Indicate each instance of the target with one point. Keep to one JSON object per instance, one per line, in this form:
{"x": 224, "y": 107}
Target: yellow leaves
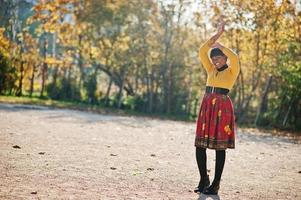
{"x": 68, "y": 60}
{"x": 20, "y": 36}
{"x": 52, "y": 60}
{"x": 2, "y": 29}
{"x": 123, "y": 43}
{"x": 4, "y": 43}
{"x": 49, "y": 13}
{"x": 216, "y": 10}
{"x": 97, "y": 53}
{"x": 55, "y": 18}
{"x": 48, "y": 27}
{"x": 49, "y": 7}
{"x": 38, "y": 7}
{"x": 39, "y": 31}
{"x": 29, "y": 20}
{"x": 154, "y": 54}
{"x": 107, "y": 43}
{"x": 30, "y": 57}
{"x": 114, "y": 5}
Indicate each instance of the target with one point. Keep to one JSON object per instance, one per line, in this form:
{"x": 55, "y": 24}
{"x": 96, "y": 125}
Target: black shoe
{"x": 202, "y": 185}
{"x": 212, "y": 189}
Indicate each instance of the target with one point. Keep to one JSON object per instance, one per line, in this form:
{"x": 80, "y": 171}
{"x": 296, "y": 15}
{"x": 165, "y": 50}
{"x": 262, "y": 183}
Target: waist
{"x": 217, "y": 90}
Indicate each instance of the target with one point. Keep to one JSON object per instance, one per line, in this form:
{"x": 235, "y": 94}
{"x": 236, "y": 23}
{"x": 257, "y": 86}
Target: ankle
{"x": 215, "y": 184}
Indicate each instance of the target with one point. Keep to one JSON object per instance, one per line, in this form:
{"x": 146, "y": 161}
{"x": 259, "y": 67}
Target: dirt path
{"x": 67, "y": 154}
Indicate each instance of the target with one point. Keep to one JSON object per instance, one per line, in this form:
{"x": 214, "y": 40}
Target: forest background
{"x": 142, "y": 56}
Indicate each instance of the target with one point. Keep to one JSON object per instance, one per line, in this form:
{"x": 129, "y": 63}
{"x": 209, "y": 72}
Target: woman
{"x": 215, "y": 124}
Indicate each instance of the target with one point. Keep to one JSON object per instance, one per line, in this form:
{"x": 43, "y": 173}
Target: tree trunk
{"x": 195, "y": 111}
{"x": 151, "y": 94}
{"x": 32, "y": 80}
{"x": 55, "y": 74}
{"x": 263, "y": 103}
{"x": 120, "y": 94}
{"x": 168, "y": 34}
{"x": 147, "y": 89}
{"x": 44, "y": 69}
{"x": 108, "y": 92}
{"x": 288, "y": 111}
{"x": 293, "y": 104}
{"x": 80, "y": 62}
{"x": 170, "y": 88}
{"x": 256, "y": 75}
{"x": 19, "y": 90}
{"x": 188, "y": 102}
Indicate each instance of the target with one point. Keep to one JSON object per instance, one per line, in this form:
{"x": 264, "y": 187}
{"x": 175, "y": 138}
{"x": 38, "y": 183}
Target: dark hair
{"x": 216, "y": 52}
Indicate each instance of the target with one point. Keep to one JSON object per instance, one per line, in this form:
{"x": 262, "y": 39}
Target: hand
{"x": 221, "y": 27}
{"x": 220, "y": 30}
{"x": 217, "y": 45}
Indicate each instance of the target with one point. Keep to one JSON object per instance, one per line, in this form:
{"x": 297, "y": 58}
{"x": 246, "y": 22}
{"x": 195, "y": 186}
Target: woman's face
{"x": 219, "y": 61}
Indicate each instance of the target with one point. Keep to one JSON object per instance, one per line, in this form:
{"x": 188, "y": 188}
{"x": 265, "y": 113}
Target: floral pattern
{"x": 216, "y": 123}
{"x": 213, "y": 101}
{"x": 227, "y": 129}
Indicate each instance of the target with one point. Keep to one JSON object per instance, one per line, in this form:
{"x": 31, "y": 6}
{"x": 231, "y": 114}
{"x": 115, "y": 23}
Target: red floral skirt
{"x": 216, "y": 123}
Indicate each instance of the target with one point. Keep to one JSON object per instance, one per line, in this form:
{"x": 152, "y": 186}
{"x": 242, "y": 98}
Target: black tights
{"x": 201, "y": 158}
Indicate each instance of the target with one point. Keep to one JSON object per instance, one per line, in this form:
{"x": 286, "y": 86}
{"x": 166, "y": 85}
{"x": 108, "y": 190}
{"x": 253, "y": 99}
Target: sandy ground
{"x": 65, "y": 154}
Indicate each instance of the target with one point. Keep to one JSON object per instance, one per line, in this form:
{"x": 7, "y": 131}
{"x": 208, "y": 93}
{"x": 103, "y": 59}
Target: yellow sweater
{"x": 225, "y": 78}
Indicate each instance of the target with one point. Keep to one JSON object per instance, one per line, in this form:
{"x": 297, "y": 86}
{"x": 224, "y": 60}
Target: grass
{"x": 85, "y": 107}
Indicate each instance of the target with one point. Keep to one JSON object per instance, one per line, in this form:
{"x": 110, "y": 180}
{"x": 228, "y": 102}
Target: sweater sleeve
{"x": 203, "y": 55}
{"x": 234, "y": 62}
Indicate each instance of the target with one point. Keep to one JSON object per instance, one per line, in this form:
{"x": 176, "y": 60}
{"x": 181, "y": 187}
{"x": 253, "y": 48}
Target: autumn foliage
{"x": 142, "y": 55}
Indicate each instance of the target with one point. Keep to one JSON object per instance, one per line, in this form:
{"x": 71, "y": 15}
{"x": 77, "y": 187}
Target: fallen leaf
{"x": 136, "y": 173}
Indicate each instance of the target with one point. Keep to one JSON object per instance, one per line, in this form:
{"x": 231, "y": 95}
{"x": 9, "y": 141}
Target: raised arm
{"x": 203, "y": 53}
{"x": 233, "y": 57}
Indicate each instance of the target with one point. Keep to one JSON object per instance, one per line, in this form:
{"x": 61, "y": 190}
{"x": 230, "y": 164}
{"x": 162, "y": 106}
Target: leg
{"x": 219, "y": 166}
{"x": 201, "y": 158}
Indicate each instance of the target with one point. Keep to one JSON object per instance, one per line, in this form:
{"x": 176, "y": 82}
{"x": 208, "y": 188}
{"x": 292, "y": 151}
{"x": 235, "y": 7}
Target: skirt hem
{"x": 214, "y": 144}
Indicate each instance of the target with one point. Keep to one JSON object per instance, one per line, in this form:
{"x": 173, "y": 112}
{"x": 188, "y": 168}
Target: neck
{"x": 225, "y": 66}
